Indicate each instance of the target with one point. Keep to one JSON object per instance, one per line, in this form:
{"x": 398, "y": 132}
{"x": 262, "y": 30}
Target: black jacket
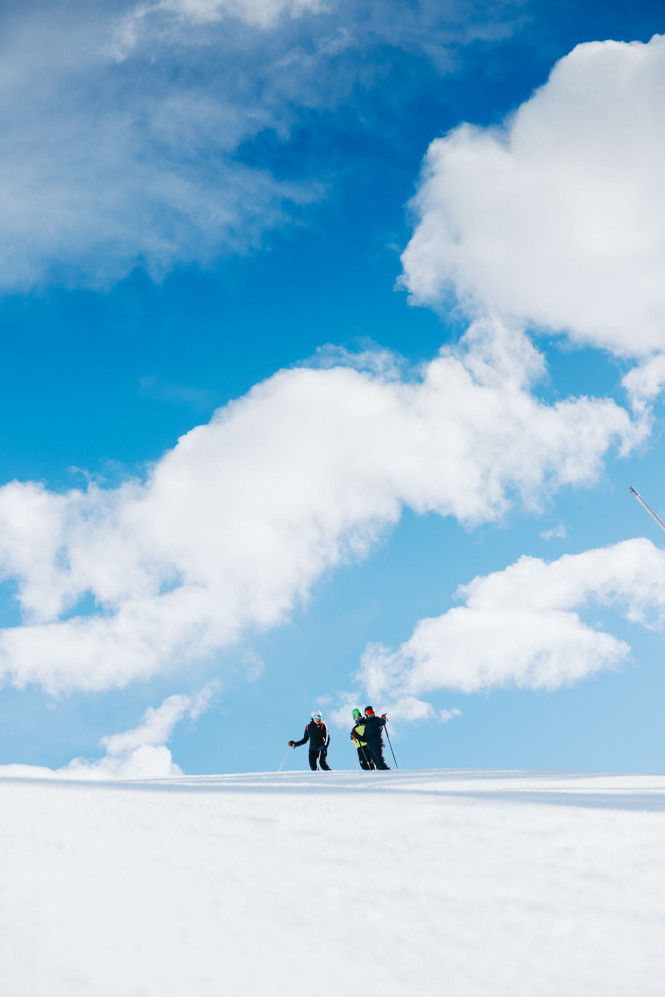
{"x": 374, "y": 729}
{"x": 316, "y": 734}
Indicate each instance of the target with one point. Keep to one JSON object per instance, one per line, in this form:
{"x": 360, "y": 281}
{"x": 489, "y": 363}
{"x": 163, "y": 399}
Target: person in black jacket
{"x": 374, "y": 736}
{"x": 317, "y": 734}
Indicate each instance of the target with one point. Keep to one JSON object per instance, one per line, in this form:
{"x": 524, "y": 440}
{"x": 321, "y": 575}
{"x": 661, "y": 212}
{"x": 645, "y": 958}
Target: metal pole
{"x": 650, "y": 511}
{"x": 391, "y": 743}
{"x": 284, "y": 759}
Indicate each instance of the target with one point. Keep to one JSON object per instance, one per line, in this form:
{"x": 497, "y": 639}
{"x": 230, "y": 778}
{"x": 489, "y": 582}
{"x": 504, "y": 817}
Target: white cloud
{"x": 555, "y": 533}
{"x": 253, "y": 665}
{"x": 153, "y": 387}
{"x": 122, "y": 124}
{"x": 446, "y": 715}
{"x": 106, "y": 166}
{"x": 644, "y": 382}
{"x": 232, "y": 527}
{"x": 140, "y": 20}
{"x": 140, "y": 753}
{"x": 342, "y": 714}
{"x": 521, "y": 626}
{"x": 405, "y": 708}
{"x": 558, "y": 216}
{"x": 342, "y": 25}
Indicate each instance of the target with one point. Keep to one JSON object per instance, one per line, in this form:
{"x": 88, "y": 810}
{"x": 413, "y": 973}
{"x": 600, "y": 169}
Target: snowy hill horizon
{"x": 333, "y": 396}
{"x": 456, "y": 882}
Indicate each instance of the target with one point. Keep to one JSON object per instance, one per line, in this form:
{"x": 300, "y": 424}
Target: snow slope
{"x": 398, "y": 883}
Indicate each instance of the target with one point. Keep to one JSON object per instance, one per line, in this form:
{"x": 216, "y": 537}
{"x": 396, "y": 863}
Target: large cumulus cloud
{"x": 230, "y": 529}
{"x": 558, "y": 215}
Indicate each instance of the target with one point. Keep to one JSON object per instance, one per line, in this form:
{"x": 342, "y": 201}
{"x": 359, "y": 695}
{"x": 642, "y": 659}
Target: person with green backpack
{"x": 357, "y": 736}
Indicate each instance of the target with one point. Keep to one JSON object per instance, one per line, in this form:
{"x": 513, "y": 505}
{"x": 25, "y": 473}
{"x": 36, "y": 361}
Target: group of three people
{"x": 367, "y": 736}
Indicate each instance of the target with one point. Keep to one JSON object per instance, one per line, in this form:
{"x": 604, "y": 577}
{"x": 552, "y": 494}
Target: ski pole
{"x": 648, "y": 508}
{"x": 391, "y": 744}
{"x": 284, "y": 759}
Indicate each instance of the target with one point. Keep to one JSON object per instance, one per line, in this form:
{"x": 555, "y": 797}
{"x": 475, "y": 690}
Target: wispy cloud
{"x": 153, "y": 387}
{"x": 231, "y": 528}
{"x": 147, "y": 20}
{"x": 446, "y": 715}
{"x": 123, "y": 125}
{"x": 557, "y": 532}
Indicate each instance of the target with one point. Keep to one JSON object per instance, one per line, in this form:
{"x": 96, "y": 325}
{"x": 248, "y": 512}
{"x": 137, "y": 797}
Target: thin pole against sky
{"x": 648, "y": 509}
{"x": 284, "y": 759}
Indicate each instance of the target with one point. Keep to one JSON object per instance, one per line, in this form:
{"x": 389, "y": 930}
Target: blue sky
{"x": 401, "y": 264}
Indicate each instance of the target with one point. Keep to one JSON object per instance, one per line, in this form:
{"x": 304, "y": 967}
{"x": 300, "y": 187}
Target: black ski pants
{"x": 365, "y": 758}
{"x": 375, "y": 749}
{"x": 319, "y": 755}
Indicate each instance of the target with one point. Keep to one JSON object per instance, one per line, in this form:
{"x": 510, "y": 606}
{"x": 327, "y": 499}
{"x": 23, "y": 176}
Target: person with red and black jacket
{"x": 374, "y": 737}
{"x": 317, "y": 734}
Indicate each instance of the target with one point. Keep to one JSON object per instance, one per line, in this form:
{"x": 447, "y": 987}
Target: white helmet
{"x": 316, "y": 715}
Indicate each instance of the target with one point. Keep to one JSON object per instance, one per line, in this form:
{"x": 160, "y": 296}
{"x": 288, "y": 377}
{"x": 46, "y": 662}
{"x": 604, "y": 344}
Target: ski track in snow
{"x": 432, "y": 883}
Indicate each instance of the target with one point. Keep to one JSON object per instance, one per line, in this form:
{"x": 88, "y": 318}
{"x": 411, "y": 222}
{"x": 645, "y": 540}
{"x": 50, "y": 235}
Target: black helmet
{"x": 369, "y": 711}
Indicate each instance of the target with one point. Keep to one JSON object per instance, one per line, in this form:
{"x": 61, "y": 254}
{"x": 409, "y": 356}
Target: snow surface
{"x": 396, "y": 883}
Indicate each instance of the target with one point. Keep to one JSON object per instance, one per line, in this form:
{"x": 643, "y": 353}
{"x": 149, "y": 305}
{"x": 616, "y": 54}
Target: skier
{"x": 374, "y": 736}
{"x": 317, "y": 734}
{"x": 357, "y": 736}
